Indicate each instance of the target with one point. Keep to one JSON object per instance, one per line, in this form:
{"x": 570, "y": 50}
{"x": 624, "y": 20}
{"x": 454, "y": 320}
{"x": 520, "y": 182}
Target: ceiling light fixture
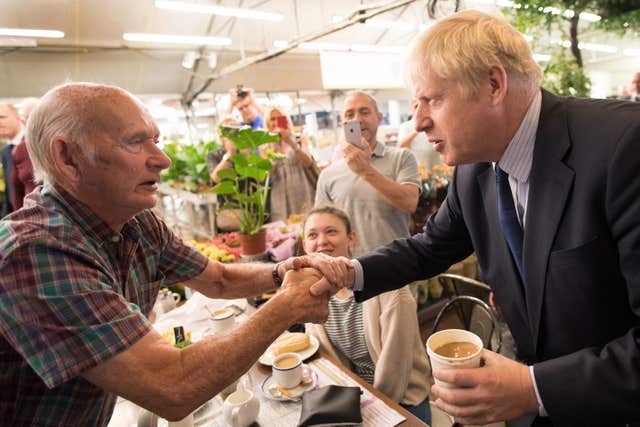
{"x": 21, "y": 32}
{"x": 176, "y": 39}
{"x": 211, "y": 9}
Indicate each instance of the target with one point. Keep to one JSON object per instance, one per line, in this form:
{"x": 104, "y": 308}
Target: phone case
{"x": 352, "y": 133}
{"x": 282, "y": 123}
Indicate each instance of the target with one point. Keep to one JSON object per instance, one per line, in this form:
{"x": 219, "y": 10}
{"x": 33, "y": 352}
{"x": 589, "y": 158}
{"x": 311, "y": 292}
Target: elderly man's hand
{"x": 337, "y": 271}
{"x": 501, "y": 390}
{"x": 305, "y": 306}
{"x": 358, "y": 159}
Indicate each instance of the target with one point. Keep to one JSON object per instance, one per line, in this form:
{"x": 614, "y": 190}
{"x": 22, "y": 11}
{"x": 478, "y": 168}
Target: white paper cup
{"x": 222, "y": 320}
{"x": 447, "y": 336}
{"x": 287, "y": 376}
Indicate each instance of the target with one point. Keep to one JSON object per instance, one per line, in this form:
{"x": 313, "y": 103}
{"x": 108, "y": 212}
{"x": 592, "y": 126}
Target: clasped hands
{"x": 337, "y": 272}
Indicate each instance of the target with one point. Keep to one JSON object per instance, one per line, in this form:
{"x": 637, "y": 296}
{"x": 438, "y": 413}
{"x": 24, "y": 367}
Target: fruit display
{"x": 214, "y": 252}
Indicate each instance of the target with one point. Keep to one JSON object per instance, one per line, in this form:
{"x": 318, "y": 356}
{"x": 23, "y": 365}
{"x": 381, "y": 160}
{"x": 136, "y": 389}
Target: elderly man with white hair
{"x": 81, "y": 265}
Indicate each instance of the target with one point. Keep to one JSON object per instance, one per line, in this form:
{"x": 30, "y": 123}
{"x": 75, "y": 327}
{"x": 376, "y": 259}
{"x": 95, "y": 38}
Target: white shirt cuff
{"x": 541, "y": 411}
{"x": 358, "y": 280}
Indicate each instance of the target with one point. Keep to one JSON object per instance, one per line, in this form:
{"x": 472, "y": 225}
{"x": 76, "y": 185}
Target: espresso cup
{"x": 455, "y": 348}
{"x": 222, "y": 320}
{"x": 287, "y": 370}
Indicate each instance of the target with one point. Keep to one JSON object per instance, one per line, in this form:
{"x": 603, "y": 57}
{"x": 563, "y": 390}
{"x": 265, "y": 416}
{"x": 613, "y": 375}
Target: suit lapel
{"x": 550, "y": 183}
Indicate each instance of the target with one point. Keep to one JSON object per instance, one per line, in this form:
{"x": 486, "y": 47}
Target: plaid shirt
{"x": 73, "y": 294}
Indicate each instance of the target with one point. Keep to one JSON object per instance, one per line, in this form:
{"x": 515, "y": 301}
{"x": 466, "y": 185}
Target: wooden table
{"x": 411, "y": 420}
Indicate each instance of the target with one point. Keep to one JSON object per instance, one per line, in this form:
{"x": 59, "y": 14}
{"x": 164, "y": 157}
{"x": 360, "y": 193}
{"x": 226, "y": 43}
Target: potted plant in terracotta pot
{"x": 246, "y": 185}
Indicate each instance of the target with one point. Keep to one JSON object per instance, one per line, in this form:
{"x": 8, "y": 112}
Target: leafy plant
{"x": 188, "y": 168}
{"x": 564, "y": 77}
{"x": 247, "y": 183}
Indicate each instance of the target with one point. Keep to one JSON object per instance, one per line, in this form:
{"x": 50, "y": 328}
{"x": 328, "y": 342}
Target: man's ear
{"x": 65, "y": 159}
{"x": 498, "y": 84}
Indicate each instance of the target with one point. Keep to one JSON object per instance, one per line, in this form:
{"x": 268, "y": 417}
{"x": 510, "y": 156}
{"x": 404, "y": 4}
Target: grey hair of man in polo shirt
{"x": 98, "y": 144}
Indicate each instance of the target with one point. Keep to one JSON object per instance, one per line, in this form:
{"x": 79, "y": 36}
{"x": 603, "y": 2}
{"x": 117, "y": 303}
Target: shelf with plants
{"x": 186, "y": 201}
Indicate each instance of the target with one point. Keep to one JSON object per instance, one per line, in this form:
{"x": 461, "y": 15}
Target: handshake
{"x": 308, "y": 283}
{"x": 330, "y": 273}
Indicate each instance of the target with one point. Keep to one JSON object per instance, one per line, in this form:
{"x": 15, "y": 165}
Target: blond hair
{"x": 463, "y": 47}
{"x": 279, "y": 112}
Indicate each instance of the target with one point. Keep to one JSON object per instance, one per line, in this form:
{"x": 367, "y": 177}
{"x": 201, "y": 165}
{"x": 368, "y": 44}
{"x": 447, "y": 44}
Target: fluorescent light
{"x": 20, "y": 32}
{"x": 541, "y": 57}
{"x": 17, "y": 42}
{"x": 218, "y": 10}
{"x": 596, "y": 47}
{"x": 175, "y": 39}
{"x": 590, "y": 17}
{"x": 632, "y": 52}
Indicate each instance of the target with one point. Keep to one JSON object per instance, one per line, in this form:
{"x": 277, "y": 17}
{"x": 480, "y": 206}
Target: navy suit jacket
{"x": 6, "y": 157}
{"x": 577, "y": 317}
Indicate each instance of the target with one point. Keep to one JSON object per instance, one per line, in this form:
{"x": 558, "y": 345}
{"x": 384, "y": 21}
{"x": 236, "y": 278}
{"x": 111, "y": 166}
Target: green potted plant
{"x": 247, "y": 185}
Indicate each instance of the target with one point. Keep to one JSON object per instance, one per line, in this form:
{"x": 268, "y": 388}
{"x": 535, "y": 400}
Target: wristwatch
{"x": 277, "y": 280}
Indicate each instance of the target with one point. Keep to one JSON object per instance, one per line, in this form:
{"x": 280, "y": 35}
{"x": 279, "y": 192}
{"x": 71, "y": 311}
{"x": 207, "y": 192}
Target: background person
{"x": 416, "y": 142}
{"x": 243, "y": 100}
{"x": 376, "y": 185}
{"x": 380, "y": 339}
{"x": 294, "y": 178}
{"x": 21, "y": 179}
{"x": 12, "y": 130}
{"x": 81, "y": 265}
{"x": 555, "y": 226}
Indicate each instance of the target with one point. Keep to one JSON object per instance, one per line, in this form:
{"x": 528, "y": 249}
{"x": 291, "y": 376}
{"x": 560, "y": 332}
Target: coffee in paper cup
{"x": 455, "y": 348}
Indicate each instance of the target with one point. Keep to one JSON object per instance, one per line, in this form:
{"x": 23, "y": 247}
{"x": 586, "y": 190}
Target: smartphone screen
{"x": 352, "y": 133}
{"x": 282, "y": 122}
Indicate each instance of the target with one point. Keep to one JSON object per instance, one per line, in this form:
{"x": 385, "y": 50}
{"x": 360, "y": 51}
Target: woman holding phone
{"x": 294, "y": 178}
{"x": 379, "y": 339}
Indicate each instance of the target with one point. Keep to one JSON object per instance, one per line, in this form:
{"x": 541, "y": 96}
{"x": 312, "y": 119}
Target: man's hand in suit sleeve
{"x": 500, "y": 390}
{"x": 337, "y": 272}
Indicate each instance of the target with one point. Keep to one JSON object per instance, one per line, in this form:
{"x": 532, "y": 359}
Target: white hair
{"x": 65, "y": 112}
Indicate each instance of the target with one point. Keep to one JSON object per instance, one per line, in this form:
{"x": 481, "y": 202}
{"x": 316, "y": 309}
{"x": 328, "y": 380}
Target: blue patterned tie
{"x": 509, "y": 218}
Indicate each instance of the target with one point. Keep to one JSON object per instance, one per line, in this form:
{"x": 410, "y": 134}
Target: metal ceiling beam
{"x": 360, "y": 15}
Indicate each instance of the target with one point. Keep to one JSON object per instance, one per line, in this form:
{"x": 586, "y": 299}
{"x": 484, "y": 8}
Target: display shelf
{"x": 191, "y": 215}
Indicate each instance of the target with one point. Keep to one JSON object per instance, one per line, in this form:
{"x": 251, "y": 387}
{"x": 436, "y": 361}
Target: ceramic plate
{"x": 268, "y": 386}
{"x": 268, "y": 356}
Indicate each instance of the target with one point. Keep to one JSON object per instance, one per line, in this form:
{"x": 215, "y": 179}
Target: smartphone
{"x": 282, "y": 122}
{"x": 352, "y": 133}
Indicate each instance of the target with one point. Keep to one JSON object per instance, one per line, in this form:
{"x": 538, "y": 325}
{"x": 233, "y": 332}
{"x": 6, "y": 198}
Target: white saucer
{"x": 268, "y": 356}
{"x": 268, "y": 384}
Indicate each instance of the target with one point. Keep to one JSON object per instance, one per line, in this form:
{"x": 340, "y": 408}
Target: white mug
{"x": 287, "y": 370}
{"x": 241, "y": 408}
{"x": 169, "y": 301}
{"x": 222, "y": 320}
